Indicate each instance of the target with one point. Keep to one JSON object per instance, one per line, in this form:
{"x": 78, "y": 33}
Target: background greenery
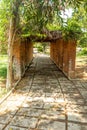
{"x": 36, "y": 15}
{"x": 3, "y": 66}
{"x": 3, "y": 73}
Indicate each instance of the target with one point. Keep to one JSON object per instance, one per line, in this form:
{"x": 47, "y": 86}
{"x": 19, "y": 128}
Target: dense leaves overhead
{"x": 33, "y": 16}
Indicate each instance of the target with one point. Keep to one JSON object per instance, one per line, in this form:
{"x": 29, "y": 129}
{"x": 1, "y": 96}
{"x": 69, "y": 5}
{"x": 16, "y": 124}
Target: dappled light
{"x": 45, "y": 100}
{"x": 81, "y": 68}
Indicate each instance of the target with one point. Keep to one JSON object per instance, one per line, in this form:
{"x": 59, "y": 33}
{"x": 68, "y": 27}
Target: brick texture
{"x": 63, "y": 53}
{"x": 22, "y": 56}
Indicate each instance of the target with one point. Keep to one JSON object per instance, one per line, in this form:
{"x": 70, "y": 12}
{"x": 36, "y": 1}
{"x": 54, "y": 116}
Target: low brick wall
{"x": 63, "y": 53}
{"x": 22, "y": 56}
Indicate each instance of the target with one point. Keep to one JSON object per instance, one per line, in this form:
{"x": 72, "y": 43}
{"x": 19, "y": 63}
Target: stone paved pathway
{"x": 45, "y": 100}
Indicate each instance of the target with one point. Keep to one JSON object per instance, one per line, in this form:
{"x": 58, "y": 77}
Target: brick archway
{"x": 63, "y": 54}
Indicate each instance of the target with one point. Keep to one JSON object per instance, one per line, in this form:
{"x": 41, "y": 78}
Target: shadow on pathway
{"x": 45, "y": 100}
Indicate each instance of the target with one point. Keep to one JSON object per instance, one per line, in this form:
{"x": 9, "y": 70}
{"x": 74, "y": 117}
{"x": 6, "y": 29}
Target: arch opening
{"x": 61, "y": 52}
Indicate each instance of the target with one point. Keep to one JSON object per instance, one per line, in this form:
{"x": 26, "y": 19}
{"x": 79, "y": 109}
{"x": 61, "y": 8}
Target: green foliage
{"x": 83, "y": 52}
{"x": 3, "y": 73}
{"x": 4, "y": 23}
{"x": 80, "y": 15}
{"x": 40, "y": 49}
{"x": 83, "y": 41}
{"x": 3, "y": 66}
{"x": 72, "y": 30}
{"x": 37, "y": 14}
{"x": 33, "y": 16}
{"x": 4, "y": 19}
{"x": 3, "y": 48}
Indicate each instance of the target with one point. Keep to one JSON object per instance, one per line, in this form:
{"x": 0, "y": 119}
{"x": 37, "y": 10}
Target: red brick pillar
{"x": 69, "y": 56}
{"x": 22, "y": 56}
{"x": 17, "y": 59}
{"x": 60, "y": 53}
{"x": 52, "y": 50}
{"x": 72, "y": 58}
{"x": 30, "y": 52}
{"x": 51, "y": 54}
{"x": 65, "y": 58}
{"x": 63, "y": 53}
{"x": 27, "y": 53}
{"x": 57, "y": 51}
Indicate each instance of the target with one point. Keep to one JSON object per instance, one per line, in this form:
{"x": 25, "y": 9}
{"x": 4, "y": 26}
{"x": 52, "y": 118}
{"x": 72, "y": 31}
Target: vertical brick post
{"x": 72, "y": 58}
{"x": 30, "y": 51}
{"x": 22, "y": 56}
{"x": 60, "y": 53}
{"x": 65, "y": 58}
{"x": 63, "y": 53}
{"x": 52, "y": 50}
{"x": 17, "y": 59}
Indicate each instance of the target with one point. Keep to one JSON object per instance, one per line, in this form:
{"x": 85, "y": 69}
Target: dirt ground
{"x": 81, "y": 68}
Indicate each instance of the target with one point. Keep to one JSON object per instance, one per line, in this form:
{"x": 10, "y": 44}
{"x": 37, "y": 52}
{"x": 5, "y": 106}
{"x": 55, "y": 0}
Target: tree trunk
{"x": 12, "y": 33}
{"x": 10, "y": 53}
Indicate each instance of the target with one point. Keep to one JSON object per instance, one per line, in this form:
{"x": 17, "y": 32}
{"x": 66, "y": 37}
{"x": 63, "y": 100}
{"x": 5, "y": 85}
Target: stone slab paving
{"x": 51, "y": 125}
{"x": 45, "y": 100}
{"x": 2, "y": 126}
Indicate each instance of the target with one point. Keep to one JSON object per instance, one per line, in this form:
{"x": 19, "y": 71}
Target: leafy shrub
{"x": 83, "y": 52}
{"x": 83, "y": 42}
{"x": 40, "y": 49}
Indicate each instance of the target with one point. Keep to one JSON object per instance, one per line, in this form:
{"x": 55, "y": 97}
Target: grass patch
{"x": 3, "y": 66}
{"x": 83, "y": 52}
{"x": 3, "y": 74}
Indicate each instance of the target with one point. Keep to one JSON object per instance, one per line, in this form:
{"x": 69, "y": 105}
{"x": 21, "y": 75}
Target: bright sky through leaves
{"x": 67, "y": 13}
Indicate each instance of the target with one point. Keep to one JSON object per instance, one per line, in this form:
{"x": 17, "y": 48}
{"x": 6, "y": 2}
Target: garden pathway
{"x": 45, "y": 100}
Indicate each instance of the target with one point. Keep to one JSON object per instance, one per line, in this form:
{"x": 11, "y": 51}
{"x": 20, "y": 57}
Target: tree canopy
{"x": 33, "y": 16}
